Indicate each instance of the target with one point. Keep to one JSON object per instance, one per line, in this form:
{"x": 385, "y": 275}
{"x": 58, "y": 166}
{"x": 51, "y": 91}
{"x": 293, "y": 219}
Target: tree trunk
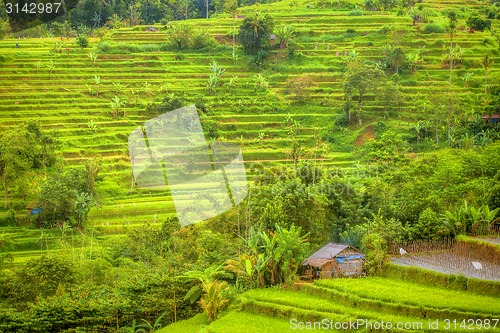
{"x": 449, "y": 132}
{"x": 397, "y": 89}
{"x": 485, "y": 82}
{"x": 6, "y": 187}
{"x": 437, "y": 133}
{"x": 234, "y": 35}
{"x": 451, "y": 55}
{"x": 360, "y": 105}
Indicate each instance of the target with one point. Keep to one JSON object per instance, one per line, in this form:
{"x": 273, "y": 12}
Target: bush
{"x": 9, "y": 219}
{"x": 183, "y": 37}
{"x": 433, "y": 28}
{"x": 342, "y": 120}
{"x": 82, "y": 41}
{"x": 259, "y": 58}
{"x": 203, "y": 40}
{"x": 355, "y": 12}
{"x": 476, "y": 23}
{"x": 104, "y": 46}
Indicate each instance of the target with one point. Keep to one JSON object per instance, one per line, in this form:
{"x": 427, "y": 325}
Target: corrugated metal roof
{"x": 326, "y": 253}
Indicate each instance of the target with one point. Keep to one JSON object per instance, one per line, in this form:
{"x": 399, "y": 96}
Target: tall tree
{"x": 255, "y": 32}
{"x": 359, "y": 82}
{"x": 452, "y": 30}
{"x": 231, "y": 7}
{"x": 22, "y": 149}
{"x": 486, "y": 62}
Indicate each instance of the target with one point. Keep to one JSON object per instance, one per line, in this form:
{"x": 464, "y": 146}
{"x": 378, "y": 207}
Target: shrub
{"x": 104, "y": 46}
{"x": 355, "y": 12}
{"x": 82, "y": 41}
{"x": 342, "y": 120}
{"x": 8, "y": 220}
{"x": 259, "y": 58}
{"x": 301, "y": 86}
{"x": 183, "y": 37}
{"x": 476, "y": 23}
{"x": 433, "y": 28}
{"x": 202, "y": 40}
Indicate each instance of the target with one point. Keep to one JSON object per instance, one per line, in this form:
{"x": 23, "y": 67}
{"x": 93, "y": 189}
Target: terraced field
{"x": 38, "y": 83}
{"x": 366, "y": 301}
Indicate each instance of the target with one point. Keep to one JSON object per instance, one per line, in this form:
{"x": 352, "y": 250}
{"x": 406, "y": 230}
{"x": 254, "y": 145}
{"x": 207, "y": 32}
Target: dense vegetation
{"x": 362, "y": 122}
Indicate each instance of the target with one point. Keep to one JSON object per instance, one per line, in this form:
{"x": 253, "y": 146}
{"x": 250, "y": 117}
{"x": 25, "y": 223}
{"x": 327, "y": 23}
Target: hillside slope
{"x": 340, "y": 301}
{"x": 50, "y": 83}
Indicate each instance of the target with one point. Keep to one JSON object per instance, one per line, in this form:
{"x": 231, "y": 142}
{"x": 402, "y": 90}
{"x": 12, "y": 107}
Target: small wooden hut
{"x": 334, "y": 260}
{"x": 494, "y": 119}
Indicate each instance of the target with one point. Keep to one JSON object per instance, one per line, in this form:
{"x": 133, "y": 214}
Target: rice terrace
{"x": 249, "y": 166}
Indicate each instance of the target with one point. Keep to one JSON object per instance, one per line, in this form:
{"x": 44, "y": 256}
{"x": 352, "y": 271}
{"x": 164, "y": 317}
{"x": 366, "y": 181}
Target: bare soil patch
{"x": 368, "y": 134}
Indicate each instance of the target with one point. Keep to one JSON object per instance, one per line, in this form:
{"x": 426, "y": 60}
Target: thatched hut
{"x": 334, "y": 260}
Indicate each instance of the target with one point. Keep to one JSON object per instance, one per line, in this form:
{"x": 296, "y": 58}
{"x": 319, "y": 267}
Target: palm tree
{"x": 204, "y": 277}
{"x": 486, "y": 62}
{"x": 213, "y": 299}
{"x": 231, "y": 7}
{"x": 452, "y": 30}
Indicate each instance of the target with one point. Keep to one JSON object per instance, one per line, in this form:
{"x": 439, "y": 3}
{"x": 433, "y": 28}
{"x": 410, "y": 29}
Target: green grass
{"x": 191, "y": 325}
{"x": 273, "y": 309}
{"x": 396, "y": 291}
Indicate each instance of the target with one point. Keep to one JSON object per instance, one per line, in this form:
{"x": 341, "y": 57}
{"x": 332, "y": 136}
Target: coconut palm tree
{"x": 213, "y": 299}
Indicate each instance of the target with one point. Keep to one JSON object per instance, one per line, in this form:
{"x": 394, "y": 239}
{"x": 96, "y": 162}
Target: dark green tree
{"x": 22, "y": 149}
{"x": 359, "y": 82}
{"x": 255, "y": 32}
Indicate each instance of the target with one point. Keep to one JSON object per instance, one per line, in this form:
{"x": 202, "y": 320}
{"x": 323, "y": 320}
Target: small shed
{"x": 334, "y": 260}
{"x": 493, "y": 118}
{"x": 272, "y": 39}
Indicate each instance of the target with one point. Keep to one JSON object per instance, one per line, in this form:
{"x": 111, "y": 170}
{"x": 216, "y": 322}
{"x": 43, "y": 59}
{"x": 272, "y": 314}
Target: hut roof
{"x": 325, "y": 254}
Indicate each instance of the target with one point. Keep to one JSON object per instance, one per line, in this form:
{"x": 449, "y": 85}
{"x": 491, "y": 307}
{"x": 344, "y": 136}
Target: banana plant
{"x": 151, "y": 327}
{"x": 92, "y": 56}
{"x": 97, "y": 83}
{"x": 116, "y": 103}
